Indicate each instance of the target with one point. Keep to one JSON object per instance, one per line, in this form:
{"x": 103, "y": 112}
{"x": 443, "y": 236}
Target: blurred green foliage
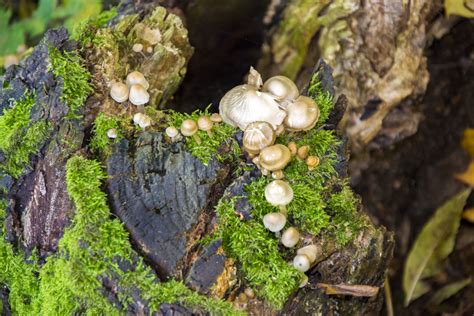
{"x": 49, "y": 13}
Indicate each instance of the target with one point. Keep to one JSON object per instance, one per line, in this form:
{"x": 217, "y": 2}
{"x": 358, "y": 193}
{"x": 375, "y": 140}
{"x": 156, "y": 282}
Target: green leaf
{"x": 463, "y": 8}
{"x": 11, "y": 36}
{"x": 434, "y": 243}
{"x": 447, "y": 291}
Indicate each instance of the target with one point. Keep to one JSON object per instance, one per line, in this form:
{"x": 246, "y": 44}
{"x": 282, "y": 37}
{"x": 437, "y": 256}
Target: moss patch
{"x": 19, "y": 138}
{"x": 84, "y": 33}
{"x": 210, "y": 146}
{"x": 75, "y": 77}
{"x": 100, "y": 142}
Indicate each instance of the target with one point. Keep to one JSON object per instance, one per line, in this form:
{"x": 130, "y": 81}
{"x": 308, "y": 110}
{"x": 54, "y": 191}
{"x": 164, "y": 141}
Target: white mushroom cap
{"x": 119, "y": 92}
{"x": 244, "y": 104}
{"x": 137, "y": 47}
{"x": 301, "y": 263}
{"x": 216, "y": 117}
{"x": 136, "y": 77}
{"x": 278, "y": 192}
{"x": 171, "y": 131}
{"x": 205, "y": 123}
{"x": 142, "y": 120}
{"x": 281, "y": 87}
{"x": 290, "y": 237}
{"x": 274, "y": 222}
{"x": 275, "y": 157}
{"x": 138, "y": 95}
{"x": 257, "y": 136}
{"x": 112, "y": 133}
{"x": 189, "y": 127}
{"x": 303, "y": 114}
{"x": 310, "y": 251}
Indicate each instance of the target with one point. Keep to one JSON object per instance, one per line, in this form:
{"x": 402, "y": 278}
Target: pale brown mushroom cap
{"x": 189, "y": 127}
{"x": 119, "y": 92}
{"x": 138, "y": 95}
{"x": 293, "y": 148}
{"x": 301, "y": 263}
{"x": 274, "y": 222}
{"x": 290, "y": 237}
{"x": 136, "y": 77}
{"x": 172, "y": 131}
{"x": 303, "y": 152}
{"x": 312, "y": 162}
{"x": 302, "y": 114}
{"x": 311, "y": 251}
{"x": 275, "y": 157}
{"x": 281, "y": 87}
{"x": 216, "y": 117}
{"x": 278, "y": 192}
{"x": 137, "y": 47}
{"x": 205, "y": 123}
{"x": 257, "y": 136}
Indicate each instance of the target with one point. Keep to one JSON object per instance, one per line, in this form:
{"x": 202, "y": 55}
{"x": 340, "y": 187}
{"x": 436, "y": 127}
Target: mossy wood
{"x": 140, "y": 224}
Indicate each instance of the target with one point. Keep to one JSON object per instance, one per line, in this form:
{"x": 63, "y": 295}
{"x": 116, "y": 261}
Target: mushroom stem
{"x": 283, "y": 210}
{"x": 197, "y": 139}
{"x": 209, "y": 133}
{"x": 141, "y": 108}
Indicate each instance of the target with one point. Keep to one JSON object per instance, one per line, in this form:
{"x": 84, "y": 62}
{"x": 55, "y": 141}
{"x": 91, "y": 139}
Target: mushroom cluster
{"x": 135, "y": 89}
{"x": 189, "y": 127}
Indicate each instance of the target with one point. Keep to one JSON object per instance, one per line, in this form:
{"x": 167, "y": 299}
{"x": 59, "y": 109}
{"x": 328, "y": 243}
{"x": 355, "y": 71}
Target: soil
{"x": 403, "y": 185}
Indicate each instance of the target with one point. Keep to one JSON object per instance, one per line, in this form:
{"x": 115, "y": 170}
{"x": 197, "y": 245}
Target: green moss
{"x": 76, "y": 86}
{"x": 210, "y": 146}
{"x": 323, "y": 99}
{"x": 257, "y": 251}
{"x": 100, "y": 142}
{"x": 84, "y": 33}
{"x": 19, "y": 138}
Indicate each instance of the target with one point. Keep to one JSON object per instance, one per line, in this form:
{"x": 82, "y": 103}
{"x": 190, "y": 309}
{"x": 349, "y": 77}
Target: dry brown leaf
{"x": 349, "y": 289}
{"x": 468, "y": 175}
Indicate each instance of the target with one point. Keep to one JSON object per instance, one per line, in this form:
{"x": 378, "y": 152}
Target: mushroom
{"x": 205, "y": 124}
{"x": 303, "y": 114}
{"x": 172, "y": 133}
{"x": 216, "y": 118}
{"x": 244, "y": 104}
{"x": 257, "y": 136}
{"x": 279, "y": 193}
{"x": 152, "y": 36}
{"x": 136, "y": 77}
{"x": 274, "y": 222}
{"x": 138, "y": 95}
{"x": 190, "y": 128}
{"x": 275, "y": 157}
{"x": 303, "y": 152}
{"x": 293, "y": 148}
{"x": 310, "y": 251}
{"x": 112, "y": 133}
{"x": 281, "y": 88}
{"x": 301, "y": 263}
{"x": 142, "y": 120}
{"x": 278, "y": 175}
{"x": 119, "y": 92}
{"x": 254, "y": 78}
{"x": 149, "y": 49}
{"x": 304, "y": 281}
{"x": 290, "y": 237}
{"x": 312, "y": 162}
{"x": 280, "y": 129}
{"x": 137, "y": 47}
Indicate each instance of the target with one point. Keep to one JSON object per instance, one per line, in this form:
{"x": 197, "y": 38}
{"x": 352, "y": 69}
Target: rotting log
{"x": 164, "y": 195}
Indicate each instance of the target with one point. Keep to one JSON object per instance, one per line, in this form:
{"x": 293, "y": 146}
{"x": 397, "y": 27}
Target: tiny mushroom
{"x": 137, "y": 47}
{"x": 278, "y": 175}
{"x": 312, "y": 162}
{"x": 190, "y": 128}
{"x": 138, "y": 95}
{"x": 290, "y": 237}
{"x": 274, "y": 222}
{"x": 205, "y": 124}
{"x": 301, "y": 263}
{"x": 293, "y": 148}
{"x": 257, "y": 136}
{"x": 302, "y": 114}
{"x": 275, "y": 157}
{"x": 119, "y": 92}
{"x": 310, "y": 251}
{"x": 282, "y": 88}
{"x": 136, "y": 77}
{"x": 216, "y": 117}
{"x": 279, "y": 193}
{"x": 142, "y": 120}
{"x": 254, "y": 78}
{"x": 303, "y": 152}
{"x": 280, "y": 129}
{"x": 172, "y": 133}
{"x": 112, "y": 133}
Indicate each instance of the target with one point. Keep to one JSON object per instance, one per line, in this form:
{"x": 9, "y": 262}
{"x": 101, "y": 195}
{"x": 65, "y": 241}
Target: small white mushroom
{"x": 310, "y": 251}
{"x": 257, "y": 136}
{"x": 290, "y": 237}
{"x": 119, "y": 92}
{"x": 301, "y": 263}
{"x": 279, "y": 193}
{"x": 172, "y": 133}
{"x": 205, "y": 124}
{"x": 216, "y": 117}
{"x": 112, "y": 133}
{"x": 138, "y": 95}
{"x": 136, "y": 77}
{"x": 142, "y": 120}
{"x": 303, "y": 114}
{"x": 274, "y": 222}
{"x": 282, "y": 88}
{"x": 190, "y": 128}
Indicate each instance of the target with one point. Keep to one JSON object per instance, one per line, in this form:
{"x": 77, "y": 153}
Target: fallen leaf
{"x": 467, "y": 141}
{"x": 447, "y": 291}
{"x": 468, "y": 215}
{"x": 468, "y": 175}
{"x": 349, "y": 289}
{"x": 463, "y": 8}
{"x": 434, "y": 243}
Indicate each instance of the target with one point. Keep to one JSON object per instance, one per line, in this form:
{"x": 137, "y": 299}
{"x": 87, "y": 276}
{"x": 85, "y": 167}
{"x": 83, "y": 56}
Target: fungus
{"x": 302, "y": 114}
{"x": 205, "y": 124}
{"x": 190, "y": 128}
{"x": 293, "y": 148}
{"x": 290, "y": 237}
{"x": 136, "y": 77}
{"x": 278, "y": 175}
{"x": 149, "y": 49}
{"x": 244, "y": 104}
{"x": 112, "y": 133}
{"x": 281, "y": 88}
{"x": 274, "y": 222}
{"x": 257, "y": 136}
{"x": 138, "y": 95}
{"x": 303, "y": 152}
{"x": 137, "y": 47}
{"x": 142, "y": 120}
{"x": 172, "y": 133}
{"x": 301, "y": 263}
{"x": 275, "y": 157}
{"x": 254, "y": 78}
{"x": 312, "y": 162}
{"x": 310, "y": 251}
{"x": 279, "y": 193}
{"x": 119, "y": 92}
{"x": 216, "y": 118}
